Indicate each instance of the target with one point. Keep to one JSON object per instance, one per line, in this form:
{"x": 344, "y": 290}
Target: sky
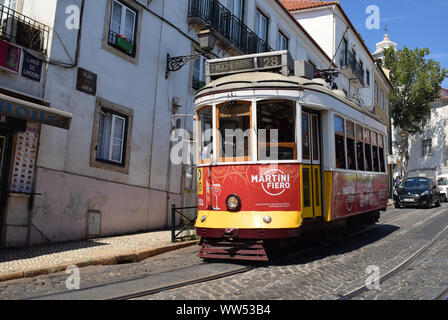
{"x": 410, "y": 23}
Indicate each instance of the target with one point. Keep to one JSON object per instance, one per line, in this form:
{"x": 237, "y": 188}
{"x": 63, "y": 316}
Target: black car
{"x": 417, "y": 191}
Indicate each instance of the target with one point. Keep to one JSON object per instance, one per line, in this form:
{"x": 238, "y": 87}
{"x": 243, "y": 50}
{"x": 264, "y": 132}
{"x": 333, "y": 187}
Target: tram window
{"x": 315, "y": 130}
{"x": 376, "y": 164}
{"x": 276, "y": 130}
{"x": 350, "y": 134}
{"x": 368, "y": 150}
{"x": 205, "y": 126}
{"x": 359, "y": 149}
{"x": 234, "y": 127}
{"x": 306, "y": 187}
{"x": 306, "y": 138}
{"x": 381, "y": 152}
{"x": 339, "y": 142}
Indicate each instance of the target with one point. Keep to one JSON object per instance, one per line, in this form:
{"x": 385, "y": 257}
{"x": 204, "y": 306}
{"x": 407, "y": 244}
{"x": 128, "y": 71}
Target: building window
{"x": 199, "y": 73}
{"x": 237, "y": 8}
{"x": 261, "y": 26}
{"x": 339, "y": 142}
{"x": 427, "y": 147}
{"x": 282, "y": 41}
{"x": 122, "y": 28}
{"x": 376, "y": 92}
{"x": 111, "y": 137}
{"x": 382, "y": 99}
{"x": 368, "y": 77}
{"x": 11, "y": 4}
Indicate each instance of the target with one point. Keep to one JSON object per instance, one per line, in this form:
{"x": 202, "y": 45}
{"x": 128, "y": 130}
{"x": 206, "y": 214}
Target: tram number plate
{"x": 272, "y": 61}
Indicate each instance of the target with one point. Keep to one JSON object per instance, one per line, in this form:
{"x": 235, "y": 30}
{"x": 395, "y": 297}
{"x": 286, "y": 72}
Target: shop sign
{"x": 32, "y": 67}
{"x": 22, "y": 111}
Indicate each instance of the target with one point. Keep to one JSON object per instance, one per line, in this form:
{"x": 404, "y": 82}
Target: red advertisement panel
{"x": 260, "y": 187}
{"x": 354, "y": 193}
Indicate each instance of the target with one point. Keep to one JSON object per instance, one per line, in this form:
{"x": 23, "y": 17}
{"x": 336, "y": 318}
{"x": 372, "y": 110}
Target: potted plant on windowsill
{"x": 124, "y": 43}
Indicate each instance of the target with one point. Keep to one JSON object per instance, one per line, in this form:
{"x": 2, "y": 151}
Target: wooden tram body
{"x": 327, "y": 163}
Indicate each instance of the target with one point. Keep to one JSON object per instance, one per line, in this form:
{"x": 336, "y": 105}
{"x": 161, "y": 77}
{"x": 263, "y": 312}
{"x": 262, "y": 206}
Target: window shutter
{"x": 117, "y": 138}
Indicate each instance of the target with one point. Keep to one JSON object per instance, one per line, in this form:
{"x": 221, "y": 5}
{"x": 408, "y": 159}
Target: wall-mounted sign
{"x": 10, "y": 56}
{"x": 86, "y": 81}
{"x": 32, "y": 67}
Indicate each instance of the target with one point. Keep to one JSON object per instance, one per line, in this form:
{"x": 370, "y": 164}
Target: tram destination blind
{"x": 261, "y": 63}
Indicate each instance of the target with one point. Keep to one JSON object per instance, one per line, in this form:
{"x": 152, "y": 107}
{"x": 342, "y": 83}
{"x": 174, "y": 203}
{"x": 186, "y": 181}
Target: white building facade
{"x": 428, "y": 152}
{"x": 104, "y": 169}
{"x": 328, "y": 24}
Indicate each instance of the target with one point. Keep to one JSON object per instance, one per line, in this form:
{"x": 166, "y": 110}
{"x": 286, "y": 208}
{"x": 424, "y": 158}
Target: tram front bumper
{"x": 248, "y": 224}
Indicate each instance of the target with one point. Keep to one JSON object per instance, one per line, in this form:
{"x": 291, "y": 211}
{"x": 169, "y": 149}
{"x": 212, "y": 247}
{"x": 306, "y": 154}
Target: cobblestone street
{"x": 327, "y": 273}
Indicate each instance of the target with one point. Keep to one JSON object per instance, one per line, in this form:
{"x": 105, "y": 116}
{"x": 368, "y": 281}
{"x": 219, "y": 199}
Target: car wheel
{"x": 397, "y": 206}
{"x": 438, "y": 203}
{"x": 429, "y": 205}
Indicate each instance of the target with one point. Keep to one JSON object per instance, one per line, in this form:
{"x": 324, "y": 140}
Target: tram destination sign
{"x": 279, "y": 61}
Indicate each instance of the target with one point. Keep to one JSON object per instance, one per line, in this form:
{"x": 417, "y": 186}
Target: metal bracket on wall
{"x": 175, "y": 63}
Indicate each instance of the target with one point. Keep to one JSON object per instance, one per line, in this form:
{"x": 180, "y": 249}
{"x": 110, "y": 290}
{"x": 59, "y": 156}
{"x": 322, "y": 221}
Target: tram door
{"x": 311, "y": 168}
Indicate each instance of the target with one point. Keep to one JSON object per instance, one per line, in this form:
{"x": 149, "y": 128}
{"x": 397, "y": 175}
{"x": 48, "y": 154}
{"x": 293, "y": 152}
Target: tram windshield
{"x": 234, "y": 126}
{"x": 276, "y": 130}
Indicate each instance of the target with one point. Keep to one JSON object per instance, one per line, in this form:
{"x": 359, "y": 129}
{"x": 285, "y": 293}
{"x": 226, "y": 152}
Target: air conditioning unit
{"x": 303, "y": 69}
{"x": 22, "y": 33}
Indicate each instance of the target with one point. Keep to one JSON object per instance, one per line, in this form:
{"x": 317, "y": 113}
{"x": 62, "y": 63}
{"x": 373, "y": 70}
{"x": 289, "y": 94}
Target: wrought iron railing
{"x": 22, "y": 30}
{"x": 221, "y": 20}
{"x": 119, "y": 42}
{"x": 186, "y": 228}
{"x": 349, "y": 60}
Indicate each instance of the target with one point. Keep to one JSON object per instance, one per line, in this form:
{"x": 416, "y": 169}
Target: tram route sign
{"x": 278, "y": 61}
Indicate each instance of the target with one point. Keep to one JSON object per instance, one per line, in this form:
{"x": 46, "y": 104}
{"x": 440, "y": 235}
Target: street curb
{"x": 133, "y": 256}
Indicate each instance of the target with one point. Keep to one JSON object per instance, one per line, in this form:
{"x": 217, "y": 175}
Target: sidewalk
{"x": 46, "y": 259}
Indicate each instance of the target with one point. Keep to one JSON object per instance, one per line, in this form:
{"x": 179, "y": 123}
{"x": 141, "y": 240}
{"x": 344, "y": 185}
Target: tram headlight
{"x": 233, "y": 203}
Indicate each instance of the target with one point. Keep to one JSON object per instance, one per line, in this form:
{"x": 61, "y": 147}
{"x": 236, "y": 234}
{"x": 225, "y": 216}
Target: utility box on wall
{"x": 93, "y": 224}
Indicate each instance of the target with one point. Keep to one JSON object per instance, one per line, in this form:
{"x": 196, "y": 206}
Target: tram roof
{"x": 269, "y": 80}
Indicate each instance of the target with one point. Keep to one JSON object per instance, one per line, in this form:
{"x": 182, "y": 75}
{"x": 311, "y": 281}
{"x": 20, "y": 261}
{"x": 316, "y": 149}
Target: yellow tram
{"x": 276, "y": 150}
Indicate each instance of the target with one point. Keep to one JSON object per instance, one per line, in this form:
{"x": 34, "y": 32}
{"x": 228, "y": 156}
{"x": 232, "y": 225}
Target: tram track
{"x": 220, "y": 275}
{"x": 294, "y": 255}
{"x": 359, "y": 291}
{"x": 443, "y": 295}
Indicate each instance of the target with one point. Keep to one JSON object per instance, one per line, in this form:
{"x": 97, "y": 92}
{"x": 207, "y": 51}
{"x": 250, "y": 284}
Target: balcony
{"x": 213, "y": 14}
{"x": 355, "y": 70}
{"x": 23, "y": 31}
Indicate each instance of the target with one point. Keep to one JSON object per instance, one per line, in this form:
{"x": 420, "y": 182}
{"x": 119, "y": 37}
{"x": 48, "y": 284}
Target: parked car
{"x": 417, "y": 191}
{"x": 442, "y": 181}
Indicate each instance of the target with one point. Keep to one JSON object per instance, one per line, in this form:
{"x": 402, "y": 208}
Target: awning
{"x": 33, "y": 112}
